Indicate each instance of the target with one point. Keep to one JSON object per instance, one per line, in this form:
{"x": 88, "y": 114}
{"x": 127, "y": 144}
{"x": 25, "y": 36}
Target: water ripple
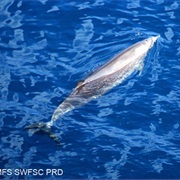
{"x": 130, "y": 132}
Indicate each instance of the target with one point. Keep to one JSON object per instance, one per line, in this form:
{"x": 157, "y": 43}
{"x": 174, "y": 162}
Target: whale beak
{"x": 154, "y": 38}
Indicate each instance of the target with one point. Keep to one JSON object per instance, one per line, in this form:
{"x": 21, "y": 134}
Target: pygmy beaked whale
{"x": 103, "y": 79}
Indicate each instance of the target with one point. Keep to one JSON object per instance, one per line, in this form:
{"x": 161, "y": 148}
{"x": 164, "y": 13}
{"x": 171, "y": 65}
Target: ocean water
{"x": 46, "y": 47}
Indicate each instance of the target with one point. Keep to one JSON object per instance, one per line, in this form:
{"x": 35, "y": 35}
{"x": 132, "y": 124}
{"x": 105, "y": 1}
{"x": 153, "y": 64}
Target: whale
{"x": 109, "y": 75}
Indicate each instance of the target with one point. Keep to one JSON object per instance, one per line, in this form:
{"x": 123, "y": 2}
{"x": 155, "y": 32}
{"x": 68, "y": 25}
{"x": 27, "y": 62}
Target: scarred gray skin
{"x": 103, "y": 79}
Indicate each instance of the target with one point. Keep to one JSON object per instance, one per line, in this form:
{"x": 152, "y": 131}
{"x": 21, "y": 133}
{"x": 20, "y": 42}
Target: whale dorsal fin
{"x": 80, "y": 83}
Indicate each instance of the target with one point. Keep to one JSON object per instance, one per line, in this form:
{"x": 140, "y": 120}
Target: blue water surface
{"x": 47, "y": 46}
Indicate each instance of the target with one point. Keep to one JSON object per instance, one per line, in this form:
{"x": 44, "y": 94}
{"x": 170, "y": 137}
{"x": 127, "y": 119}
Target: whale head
{"x": 143, "y": 46}
{"x": 149, "y": 42}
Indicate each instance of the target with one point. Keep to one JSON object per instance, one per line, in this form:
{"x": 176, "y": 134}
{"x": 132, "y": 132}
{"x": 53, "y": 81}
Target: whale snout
{"x": 154, "y": 38}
